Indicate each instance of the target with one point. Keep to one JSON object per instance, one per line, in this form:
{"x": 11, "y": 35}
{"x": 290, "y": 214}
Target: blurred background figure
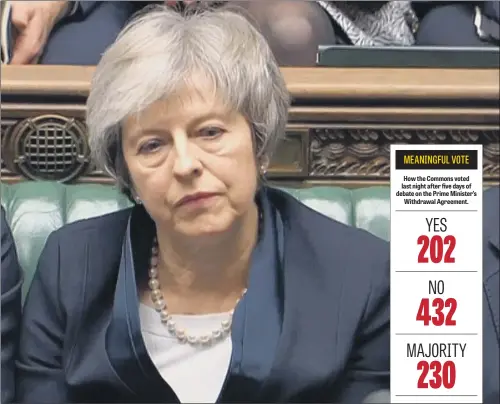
{"x": 63, "y": 32}
{"x": 11, "y": 307}
{"x": 491, "y": 305}
{"x": 452, "y": 23}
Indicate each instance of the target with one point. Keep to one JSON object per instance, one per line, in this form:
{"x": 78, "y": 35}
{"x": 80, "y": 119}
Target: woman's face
{"x": 191, "y": 161}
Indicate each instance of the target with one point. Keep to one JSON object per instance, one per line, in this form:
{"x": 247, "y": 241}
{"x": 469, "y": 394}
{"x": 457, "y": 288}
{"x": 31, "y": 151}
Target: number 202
{"x": 435, "y": 246}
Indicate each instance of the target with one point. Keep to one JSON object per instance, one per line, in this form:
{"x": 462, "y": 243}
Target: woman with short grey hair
{"x": 214, "y": 286}
{"x": 206, "y": 46}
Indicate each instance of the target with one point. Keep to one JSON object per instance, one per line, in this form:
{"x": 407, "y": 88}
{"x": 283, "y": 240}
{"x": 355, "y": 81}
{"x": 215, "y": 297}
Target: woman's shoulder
{"x": 84, "y": 254}
{"x": 336, "y": 252}
{"x": 110, "y": 226}
{"x": 89, "y": 242}
{"x": 299, "y": 213}
{"x": 328, "y": 238}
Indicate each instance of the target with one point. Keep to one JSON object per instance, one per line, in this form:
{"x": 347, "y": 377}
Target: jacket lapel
{"x": 124, "y": 343}
{"x": 257, "y": 320}
{"x": 305, "y": 311}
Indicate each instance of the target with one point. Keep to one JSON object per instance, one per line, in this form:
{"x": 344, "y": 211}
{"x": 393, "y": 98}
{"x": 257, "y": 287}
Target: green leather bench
{"x": 35, "y": 209}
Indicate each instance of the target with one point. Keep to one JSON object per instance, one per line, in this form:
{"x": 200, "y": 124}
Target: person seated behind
{"x": 77, "y": 33}
{"x": 214, "y": 286}
{"x": 11, "y": 308}
{"x": 479, "y": 23}
{"x": 491, "y": 305}
{"x": 62, "y": 32}
{"x": 65, "y": 32}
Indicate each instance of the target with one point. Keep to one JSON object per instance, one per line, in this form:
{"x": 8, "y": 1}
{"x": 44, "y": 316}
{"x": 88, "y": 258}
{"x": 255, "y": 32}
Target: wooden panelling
{"x": 341, "y": 124}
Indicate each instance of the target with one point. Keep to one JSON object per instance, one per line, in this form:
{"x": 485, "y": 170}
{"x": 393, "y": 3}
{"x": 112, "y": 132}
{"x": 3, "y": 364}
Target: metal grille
{"x": 50, "y": 148}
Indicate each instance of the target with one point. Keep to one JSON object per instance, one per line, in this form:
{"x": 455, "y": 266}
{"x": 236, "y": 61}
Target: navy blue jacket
{"x": 317, "y": 330}
{"x": 11, "y": 308}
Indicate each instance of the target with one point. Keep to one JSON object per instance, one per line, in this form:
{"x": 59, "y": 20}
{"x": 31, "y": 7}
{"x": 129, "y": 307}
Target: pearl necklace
{"x": 161, "y": 307}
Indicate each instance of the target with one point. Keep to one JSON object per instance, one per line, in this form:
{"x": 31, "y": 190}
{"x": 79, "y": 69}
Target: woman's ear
{"x": 264, "y": 165}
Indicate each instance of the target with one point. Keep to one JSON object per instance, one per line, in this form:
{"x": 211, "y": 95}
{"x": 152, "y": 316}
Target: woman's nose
{"x": 186, "y": 161}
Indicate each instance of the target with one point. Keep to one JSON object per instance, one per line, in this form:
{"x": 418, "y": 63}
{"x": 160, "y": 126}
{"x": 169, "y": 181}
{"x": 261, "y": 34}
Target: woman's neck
{"x": 215, "y": 264}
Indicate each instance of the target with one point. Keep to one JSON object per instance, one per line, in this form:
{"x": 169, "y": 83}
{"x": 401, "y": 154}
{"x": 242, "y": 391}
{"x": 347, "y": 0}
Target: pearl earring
{"x": 264, "y": 163}
{"x": 138, "y": 200}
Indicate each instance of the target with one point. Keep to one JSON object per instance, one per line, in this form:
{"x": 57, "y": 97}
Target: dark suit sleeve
{"x": 82, "y": 8}
{"x": 369, "y": 369}
{"x": 11, "y": 308}
{"x": 40, "y": 374}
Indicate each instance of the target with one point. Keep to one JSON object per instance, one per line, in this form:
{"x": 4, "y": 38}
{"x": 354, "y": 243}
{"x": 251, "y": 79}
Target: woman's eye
{"x": 150, "y": 146}
{"x": 211, "y": 132}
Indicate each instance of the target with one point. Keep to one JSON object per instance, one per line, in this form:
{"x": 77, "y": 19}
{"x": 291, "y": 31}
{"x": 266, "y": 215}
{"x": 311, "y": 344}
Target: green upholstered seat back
{"x": 35, "y": 209}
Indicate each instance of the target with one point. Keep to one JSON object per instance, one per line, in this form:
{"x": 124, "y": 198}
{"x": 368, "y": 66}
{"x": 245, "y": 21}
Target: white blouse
{"x": 196, "y": 374}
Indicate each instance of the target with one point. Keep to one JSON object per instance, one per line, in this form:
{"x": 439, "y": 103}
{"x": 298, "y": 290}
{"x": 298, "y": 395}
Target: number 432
{"x": 438, "y": 305}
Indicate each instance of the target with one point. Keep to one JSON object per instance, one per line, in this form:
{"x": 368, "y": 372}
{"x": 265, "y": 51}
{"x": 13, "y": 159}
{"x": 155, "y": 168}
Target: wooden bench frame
{"x": 341, "y": 124}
